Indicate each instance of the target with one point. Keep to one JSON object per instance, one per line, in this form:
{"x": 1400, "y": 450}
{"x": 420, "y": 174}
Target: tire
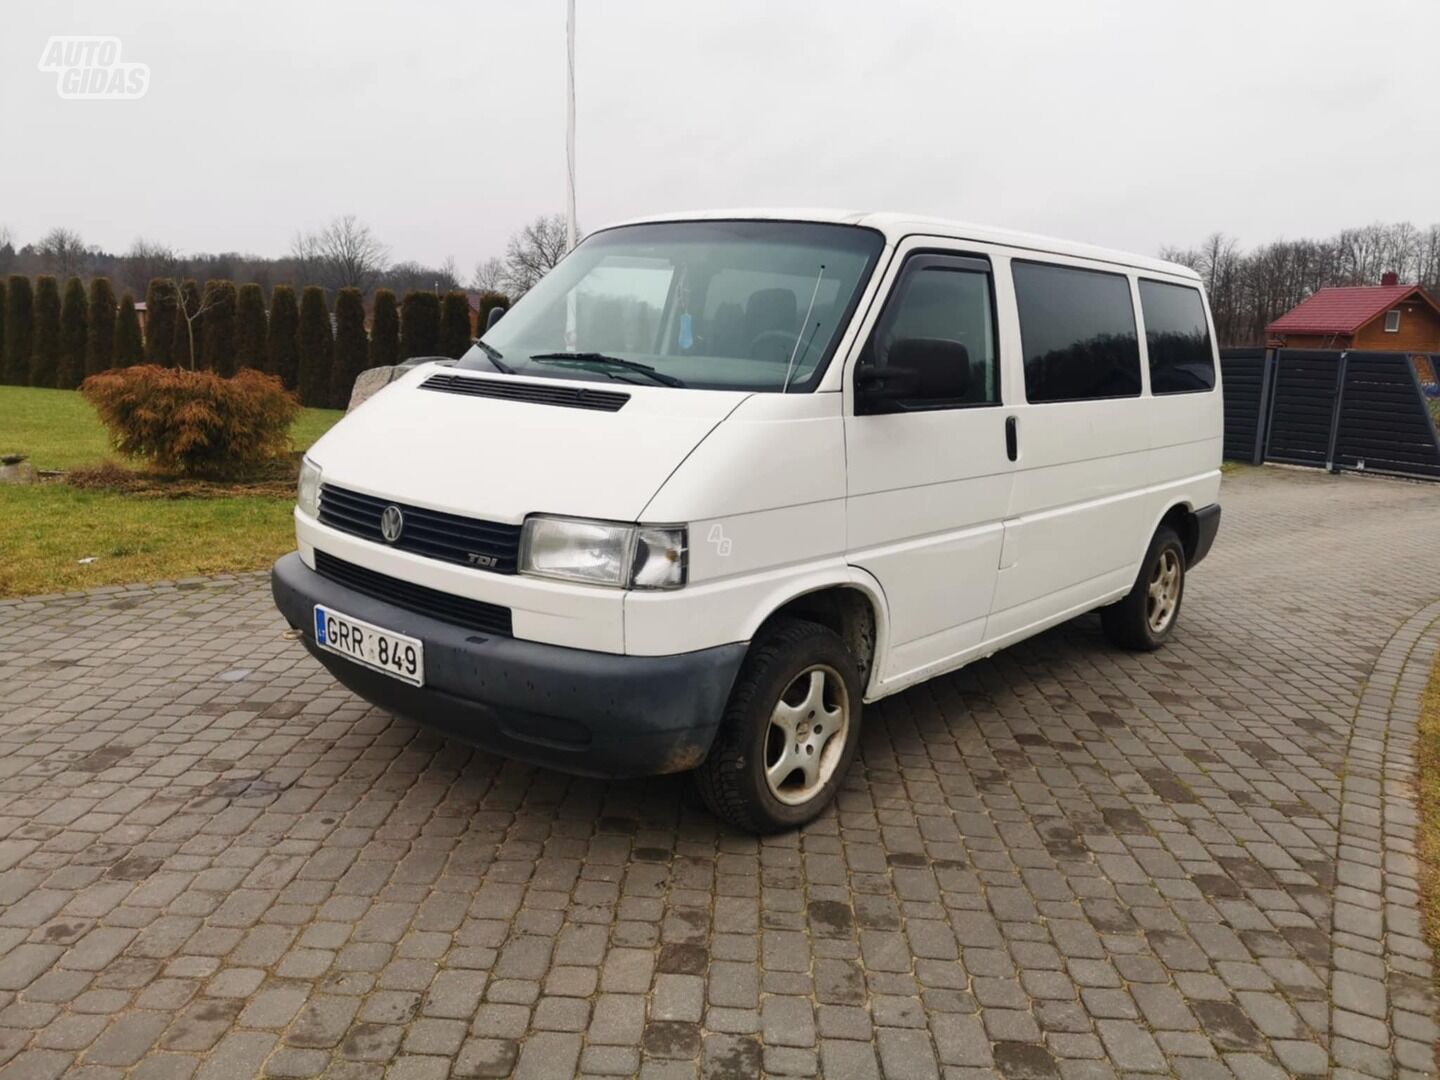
{"x": 757, "y": 736}
{"x": 1135, "y": 622}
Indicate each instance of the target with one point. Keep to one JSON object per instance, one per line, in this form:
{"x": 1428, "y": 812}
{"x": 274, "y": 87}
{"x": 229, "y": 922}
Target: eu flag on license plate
{"x": 320, "y": 626}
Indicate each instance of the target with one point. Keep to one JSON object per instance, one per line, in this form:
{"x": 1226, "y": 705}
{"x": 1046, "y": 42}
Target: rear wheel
{"x": 1146, "y": 617}
{"x": 789, "y": 733}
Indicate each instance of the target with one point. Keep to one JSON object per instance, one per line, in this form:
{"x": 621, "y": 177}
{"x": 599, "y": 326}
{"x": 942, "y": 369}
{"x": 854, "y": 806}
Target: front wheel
{"x": 789, "y": 733}
{"x": 1146, "y": 617}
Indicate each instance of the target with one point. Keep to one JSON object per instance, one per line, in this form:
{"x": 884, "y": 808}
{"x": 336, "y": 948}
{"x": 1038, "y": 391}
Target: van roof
{"x": 895, "y": 226}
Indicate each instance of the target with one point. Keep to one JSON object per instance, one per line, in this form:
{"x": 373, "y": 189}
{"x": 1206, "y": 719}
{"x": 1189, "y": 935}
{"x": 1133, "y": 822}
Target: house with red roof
{"x": 1388, "y": 317}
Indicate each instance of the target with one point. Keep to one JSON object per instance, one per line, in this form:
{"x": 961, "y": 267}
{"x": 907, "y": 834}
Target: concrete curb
{"x": 1383, "y": 1001}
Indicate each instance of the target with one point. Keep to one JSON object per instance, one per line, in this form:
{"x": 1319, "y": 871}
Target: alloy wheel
{"x": 806, "y": 736}
{"x": 1163, "y": 595}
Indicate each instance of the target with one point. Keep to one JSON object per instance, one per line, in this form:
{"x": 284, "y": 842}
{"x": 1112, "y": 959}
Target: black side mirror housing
{"x": 917, "y": 371}
{"x": 496, "y": 314}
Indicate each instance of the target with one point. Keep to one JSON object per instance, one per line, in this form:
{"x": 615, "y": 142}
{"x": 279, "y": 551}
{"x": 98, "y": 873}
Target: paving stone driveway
{"x": 1064, "y": 861}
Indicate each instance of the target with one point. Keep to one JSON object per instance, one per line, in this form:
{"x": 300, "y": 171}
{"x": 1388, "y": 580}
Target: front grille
{"x": 577, "y": 397}
{"x": 484, "y": 545}
{"x": 457, "y": 610}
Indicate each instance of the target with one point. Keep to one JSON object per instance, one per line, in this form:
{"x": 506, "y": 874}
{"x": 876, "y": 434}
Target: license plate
{"x": 397, "y": 655}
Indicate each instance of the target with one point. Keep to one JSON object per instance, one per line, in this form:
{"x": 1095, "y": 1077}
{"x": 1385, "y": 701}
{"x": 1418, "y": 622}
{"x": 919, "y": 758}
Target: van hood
{"x": 501, "y": 460}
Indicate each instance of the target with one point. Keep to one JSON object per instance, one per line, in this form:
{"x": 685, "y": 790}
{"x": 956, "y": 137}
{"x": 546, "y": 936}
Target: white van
{"x": 720, "y": 479}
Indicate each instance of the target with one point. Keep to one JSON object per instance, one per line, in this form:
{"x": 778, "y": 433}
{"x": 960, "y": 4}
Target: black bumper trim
{"x": 584, "y": 712}
{"x": 458, "y": 611}
{"x": 1207, "y": 524}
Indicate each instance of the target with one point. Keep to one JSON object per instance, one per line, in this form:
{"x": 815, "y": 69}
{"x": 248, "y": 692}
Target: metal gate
{"x": 1384, "y": 423}
{"x": 1360, "y": 411}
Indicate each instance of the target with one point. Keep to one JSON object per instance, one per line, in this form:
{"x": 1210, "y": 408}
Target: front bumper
{"x": 591, "y": 713}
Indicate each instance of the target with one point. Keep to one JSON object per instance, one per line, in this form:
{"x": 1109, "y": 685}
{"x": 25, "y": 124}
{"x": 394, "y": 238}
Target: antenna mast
{"x": 570, "y": 125}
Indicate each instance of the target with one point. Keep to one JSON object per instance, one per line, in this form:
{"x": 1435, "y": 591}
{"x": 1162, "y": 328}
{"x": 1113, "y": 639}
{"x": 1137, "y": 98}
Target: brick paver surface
{"x": 1065, "y": 861}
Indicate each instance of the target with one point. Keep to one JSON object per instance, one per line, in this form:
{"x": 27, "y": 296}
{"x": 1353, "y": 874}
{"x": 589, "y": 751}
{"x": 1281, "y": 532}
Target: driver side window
{"x": 934, "y": 344}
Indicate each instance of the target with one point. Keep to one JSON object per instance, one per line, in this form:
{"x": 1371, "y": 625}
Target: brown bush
{"x": 194, "y": 423}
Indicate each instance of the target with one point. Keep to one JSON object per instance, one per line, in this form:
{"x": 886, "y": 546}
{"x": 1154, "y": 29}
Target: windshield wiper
{"x": 495, "y": 356}
{"x": 582, "y": 358}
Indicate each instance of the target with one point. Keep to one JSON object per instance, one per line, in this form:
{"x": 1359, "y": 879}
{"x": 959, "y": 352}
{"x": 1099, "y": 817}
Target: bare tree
{"x": 1184, "y": 256}
{"x": 1250, "y": 289}
{"x": 1428, "y": 259}
{"x": 489, "y": 275}
{"x": 63, "y": 251}
{"x": 1363, "y": 254}
{"x": 1402, "y": 246}
{"x": 402, "y": 277}
{"x": 447, "y": 277}
{"x": 145, "y": 261}
{"x": 206, "y": 299}
{"x": 343, "y": 255}
{"x": 305, "y": 254}
{"x": 533, "y": 252}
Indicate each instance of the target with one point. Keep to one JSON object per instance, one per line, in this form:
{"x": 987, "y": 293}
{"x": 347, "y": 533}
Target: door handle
{"x": 1012, "y": 438}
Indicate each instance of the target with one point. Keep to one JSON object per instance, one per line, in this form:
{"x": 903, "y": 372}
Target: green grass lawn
{"x": 57, "y": 429}
{"x": 47, "y": 528}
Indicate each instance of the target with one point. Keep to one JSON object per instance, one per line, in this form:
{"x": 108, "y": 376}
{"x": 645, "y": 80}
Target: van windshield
{"x": 734, "y": 305}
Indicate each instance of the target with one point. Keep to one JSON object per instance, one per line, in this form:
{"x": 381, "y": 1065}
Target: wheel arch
{"x": 852, "y": 605}
{"x": 1180, "y": 516}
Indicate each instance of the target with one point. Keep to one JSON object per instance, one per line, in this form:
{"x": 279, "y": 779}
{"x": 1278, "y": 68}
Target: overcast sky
{"x": 1131, "y": 123}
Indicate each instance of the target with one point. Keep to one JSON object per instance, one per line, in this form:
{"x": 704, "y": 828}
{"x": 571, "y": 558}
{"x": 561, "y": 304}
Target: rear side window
{"x": 1077, "y": 328}
{"x": 1177, "y": 338}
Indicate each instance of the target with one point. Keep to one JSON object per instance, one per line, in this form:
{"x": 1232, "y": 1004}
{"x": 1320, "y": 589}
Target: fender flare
{"x": 843, "y": 576}
{"x": 1170, "y": 507}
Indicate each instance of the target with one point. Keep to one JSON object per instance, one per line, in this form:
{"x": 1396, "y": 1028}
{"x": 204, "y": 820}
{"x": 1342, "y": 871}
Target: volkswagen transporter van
{"x": 719, "y": 480}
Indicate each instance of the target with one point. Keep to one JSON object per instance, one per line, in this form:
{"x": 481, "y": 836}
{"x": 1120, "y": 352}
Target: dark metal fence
{"x": 1246, "y": 377}
{"x": 1331, "y": 409}
{"x": 1384, "y": 423}
{"x": 1302, "y": 410}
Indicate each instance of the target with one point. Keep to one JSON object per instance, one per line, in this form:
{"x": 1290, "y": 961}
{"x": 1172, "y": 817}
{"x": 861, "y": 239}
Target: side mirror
{"x": 496, "y": 314}
{"x": 916, "y": 370}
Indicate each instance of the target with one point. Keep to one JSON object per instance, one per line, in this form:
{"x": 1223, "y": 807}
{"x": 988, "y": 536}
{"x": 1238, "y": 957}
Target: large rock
{"x": 372, "y": 380}
{"x": 14, "y": 469}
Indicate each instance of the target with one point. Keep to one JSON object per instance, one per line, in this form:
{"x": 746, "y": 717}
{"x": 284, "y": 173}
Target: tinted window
{"x": 939, "y": 305}
{"x": 1078, "y": 331}
{"x": 1177, "y": 338}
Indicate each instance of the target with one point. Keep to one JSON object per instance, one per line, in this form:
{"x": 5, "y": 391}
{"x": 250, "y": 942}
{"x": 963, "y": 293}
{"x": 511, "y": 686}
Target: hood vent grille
{"x": 578, "y": 397}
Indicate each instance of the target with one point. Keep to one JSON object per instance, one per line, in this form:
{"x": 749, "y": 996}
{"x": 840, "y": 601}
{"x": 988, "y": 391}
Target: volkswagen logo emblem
{"x": 392, "y": 524}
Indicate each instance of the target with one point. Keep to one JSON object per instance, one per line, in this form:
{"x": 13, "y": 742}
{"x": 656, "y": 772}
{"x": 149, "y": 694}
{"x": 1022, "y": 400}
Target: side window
{"x": 1177, "y": 338}
{"x": 1077, "y": 328}
{"x": 934, "y": 344}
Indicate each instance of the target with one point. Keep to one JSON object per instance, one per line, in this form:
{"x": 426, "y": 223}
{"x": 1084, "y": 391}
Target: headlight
{"x": 307, "y": 497}
{"x": 604, "y": 553}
